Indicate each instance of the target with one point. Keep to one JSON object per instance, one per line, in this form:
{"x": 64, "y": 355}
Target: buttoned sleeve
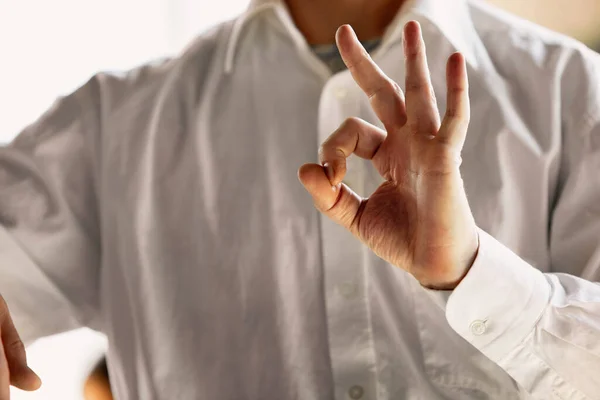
{"x": 544, "y": 328}
{"x": 49, "y": 229}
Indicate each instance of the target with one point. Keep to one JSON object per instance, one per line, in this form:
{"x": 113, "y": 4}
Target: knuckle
{"x": 459, "y": 119}
{"x": 350, "y": 123}
{"x": 387, "y": 87}
{"x": 452, "y": 113}
{"x": 16, "y": 347}
{"x": 330, "y": 151}
{"x": 412, "y": 52}
{"x": 396, "y": 88}
{"x": 413, "y": 86}
{"x": 340, "y": 159}
{"x": 391, "y": 87}
{"x": 422, "y": 89}
{"x": 457, "y": 91}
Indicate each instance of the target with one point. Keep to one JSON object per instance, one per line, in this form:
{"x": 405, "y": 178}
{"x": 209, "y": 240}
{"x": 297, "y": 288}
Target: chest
{"x": 208, "y": 233}
{"x": 213, "y": 171}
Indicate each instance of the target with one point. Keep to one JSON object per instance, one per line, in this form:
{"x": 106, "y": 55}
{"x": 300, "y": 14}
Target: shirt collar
{"x": 451, "y": 17}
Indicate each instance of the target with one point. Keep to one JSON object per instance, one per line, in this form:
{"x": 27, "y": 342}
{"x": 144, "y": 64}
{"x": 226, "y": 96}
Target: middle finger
{"x": 421, "y": 106}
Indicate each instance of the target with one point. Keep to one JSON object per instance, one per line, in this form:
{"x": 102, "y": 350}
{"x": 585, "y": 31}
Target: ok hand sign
{"x": 419, "y": 218}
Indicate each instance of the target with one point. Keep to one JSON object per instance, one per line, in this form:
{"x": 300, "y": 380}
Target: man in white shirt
{"x": 162, "y": 208}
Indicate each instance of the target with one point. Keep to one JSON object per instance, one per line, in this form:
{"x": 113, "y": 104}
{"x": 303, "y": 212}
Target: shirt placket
{"x": 349, "y": 325}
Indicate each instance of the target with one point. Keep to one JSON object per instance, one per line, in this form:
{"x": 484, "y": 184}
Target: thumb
{"x": 337, "y": 202}
{"x": 21, "y": 376}
{"x": 24, "y": 378}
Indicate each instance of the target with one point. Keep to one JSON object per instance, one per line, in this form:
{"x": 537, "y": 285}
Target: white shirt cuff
{"x": 499, "y": 301}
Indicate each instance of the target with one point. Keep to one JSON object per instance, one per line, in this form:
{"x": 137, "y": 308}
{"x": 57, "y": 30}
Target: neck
{"x": 318, "y": 20}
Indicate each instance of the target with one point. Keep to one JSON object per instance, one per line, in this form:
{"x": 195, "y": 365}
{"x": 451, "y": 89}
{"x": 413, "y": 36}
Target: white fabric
{"x": 162, "y": 207}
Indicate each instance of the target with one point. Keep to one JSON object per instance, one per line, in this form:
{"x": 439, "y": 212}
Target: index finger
{"x": 386, "y": 97}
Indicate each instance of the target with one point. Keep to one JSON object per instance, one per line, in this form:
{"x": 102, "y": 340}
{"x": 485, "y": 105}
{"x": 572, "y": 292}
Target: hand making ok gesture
{"x": 419, "y": 218}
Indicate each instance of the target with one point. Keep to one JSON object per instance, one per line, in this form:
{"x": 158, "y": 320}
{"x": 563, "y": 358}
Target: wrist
{"x": 452, "y": 278}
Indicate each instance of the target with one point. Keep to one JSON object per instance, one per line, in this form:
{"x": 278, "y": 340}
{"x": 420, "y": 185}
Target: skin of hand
{"x": 418, "y": 219}
{"x": 97, "y": 388}
{"x": 13, "y": 360}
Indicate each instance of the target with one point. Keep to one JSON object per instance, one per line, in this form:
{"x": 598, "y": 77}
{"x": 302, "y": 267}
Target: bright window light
{"x": 48, "y": 49}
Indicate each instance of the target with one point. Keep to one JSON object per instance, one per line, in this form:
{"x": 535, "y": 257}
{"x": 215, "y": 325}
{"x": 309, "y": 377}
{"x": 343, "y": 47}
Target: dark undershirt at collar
{"x": 329, "y": 54}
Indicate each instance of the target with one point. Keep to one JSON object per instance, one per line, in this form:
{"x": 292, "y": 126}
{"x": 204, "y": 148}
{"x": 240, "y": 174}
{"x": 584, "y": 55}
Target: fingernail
{"x": 329, "y": 171}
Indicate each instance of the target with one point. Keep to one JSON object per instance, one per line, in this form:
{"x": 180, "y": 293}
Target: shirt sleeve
{"x": 49, "y": 229}
{"x": 544, "y": 328}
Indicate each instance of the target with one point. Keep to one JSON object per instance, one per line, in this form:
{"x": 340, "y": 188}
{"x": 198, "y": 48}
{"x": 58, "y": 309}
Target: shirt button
{"x": 478, "y": 327}
{"x": 348, "y": 290}
{"x": 340, "y": 92}
{"x": 356, "y": 392}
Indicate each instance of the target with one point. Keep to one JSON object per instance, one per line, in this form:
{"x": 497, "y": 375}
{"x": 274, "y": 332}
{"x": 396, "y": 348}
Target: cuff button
{"x": 478, "y": 327}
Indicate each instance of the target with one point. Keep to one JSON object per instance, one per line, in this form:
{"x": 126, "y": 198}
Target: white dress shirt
{"x": 162, "y": 207}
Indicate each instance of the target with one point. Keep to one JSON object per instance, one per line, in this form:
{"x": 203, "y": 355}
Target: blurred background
{"x": 50, "y": 47}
